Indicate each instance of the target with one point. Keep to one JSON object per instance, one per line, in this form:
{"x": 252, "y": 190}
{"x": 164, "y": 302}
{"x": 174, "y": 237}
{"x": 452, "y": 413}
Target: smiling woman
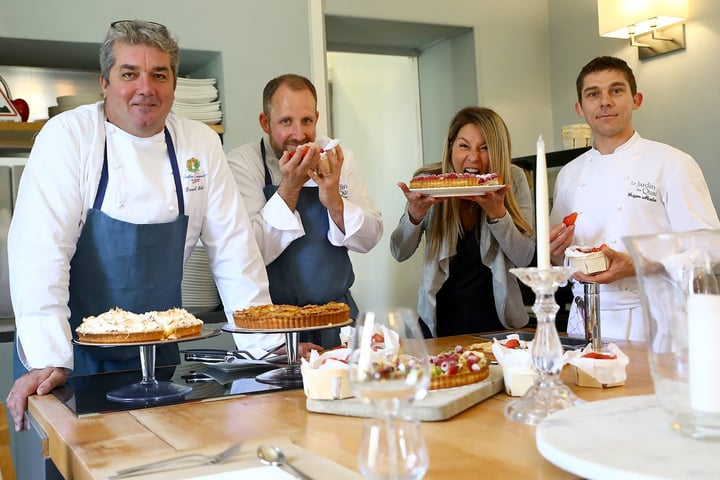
{"x": 472, "y": 240}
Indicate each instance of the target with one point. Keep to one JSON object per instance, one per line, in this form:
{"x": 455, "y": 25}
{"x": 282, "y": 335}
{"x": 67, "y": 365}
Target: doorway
{"x": 392, "y": 89}
{"x": 375, "y": 111}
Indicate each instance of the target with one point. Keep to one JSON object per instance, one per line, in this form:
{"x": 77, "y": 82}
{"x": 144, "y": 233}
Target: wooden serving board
{"x": 437, "y": 405}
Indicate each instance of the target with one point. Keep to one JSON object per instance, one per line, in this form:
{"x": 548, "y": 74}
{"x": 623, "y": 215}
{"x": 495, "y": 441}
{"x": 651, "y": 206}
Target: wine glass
{"x": 389, "y": 368}
{"x": 388, "y": 361}
{"x": 395, "y": 453}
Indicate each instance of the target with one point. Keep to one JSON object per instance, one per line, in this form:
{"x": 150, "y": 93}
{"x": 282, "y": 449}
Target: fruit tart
{"x": 458, "y": 367}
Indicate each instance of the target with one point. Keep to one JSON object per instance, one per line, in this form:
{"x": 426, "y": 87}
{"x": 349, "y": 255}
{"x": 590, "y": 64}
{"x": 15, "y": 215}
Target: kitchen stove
{"x": 86, "y": 394}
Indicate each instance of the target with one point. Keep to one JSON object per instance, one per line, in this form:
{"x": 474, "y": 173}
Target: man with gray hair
{"x": 113, "y": 200}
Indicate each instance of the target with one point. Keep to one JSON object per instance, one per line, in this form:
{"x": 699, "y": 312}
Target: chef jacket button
{"x": 582, "y": 184}
{"x": 120, "y": 205}
{"x": 619, "y": 207}
{"x": 171, "y": 208}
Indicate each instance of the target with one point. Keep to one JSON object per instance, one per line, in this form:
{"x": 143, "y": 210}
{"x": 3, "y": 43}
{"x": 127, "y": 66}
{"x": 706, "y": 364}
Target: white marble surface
{"x": 628, "y": 438}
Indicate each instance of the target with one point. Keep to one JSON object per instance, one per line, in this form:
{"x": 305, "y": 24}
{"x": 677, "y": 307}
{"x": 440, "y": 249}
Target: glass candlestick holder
{"x": 548, "y": 393}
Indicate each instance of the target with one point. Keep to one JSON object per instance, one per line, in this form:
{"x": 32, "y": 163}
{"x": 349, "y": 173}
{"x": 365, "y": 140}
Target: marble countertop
{"x": 626, "y": 437}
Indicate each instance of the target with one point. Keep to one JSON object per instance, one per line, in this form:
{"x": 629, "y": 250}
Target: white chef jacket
{"x": 276, "y": 226}
{"x": 644, "y": 187}
{"x": 58, "y": 187}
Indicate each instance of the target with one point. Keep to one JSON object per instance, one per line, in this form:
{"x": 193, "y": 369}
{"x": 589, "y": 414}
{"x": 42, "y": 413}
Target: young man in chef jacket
{"x": 306, "y": 214}
{"x": 624, "y": 185}
{"x": 114, "y": 197}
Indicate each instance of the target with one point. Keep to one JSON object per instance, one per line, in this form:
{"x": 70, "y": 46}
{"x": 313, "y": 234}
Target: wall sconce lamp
{"x": 653, "y": 26}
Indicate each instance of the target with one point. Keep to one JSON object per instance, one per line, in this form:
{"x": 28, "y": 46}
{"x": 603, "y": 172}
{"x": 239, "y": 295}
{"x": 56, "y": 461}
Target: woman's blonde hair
{"x": 446, "y": 220}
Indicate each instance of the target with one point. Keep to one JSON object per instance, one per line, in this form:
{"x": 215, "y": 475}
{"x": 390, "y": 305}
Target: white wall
{"x": 447, "y": 84}
{"x": 375, "y": 108}
{"x": 511, "y": 54}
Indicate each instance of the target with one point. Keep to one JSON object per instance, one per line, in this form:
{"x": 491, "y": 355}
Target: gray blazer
{"x": 502, "y": 247}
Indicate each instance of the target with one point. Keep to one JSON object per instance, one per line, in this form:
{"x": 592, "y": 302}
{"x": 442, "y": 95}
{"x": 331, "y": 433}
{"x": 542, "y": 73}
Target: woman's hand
{"x": 418, "y": 204}
{"x": 492, "y": 202}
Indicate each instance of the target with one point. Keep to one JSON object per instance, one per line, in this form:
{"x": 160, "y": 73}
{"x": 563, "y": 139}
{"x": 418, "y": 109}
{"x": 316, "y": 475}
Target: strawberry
{"x": 512, "y": 343}
{"x": 598, "y": 249}
{"x": 601, "y": 356}
{"x": 570, "y": 219}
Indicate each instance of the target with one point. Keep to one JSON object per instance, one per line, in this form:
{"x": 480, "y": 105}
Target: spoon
{"x": 271, "y": 455}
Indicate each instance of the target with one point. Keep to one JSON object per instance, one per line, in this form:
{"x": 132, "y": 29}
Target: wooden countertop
{"x": 478, "y": 441}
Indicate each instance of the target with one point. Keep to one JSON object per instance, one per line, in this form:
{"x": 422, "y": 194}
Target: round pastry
{"x": 120, "y": 326}
{"x": 458, "y": 367}
{"x": 283, "y": 317}
{"x": 448, "y": 180}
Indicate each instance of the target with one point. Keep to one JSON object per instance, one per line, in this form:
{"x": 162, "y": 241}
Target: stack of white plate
{"x": 68, "y": 102}
{"x": 196, "y": 98}
{"x": 199, "y": 293}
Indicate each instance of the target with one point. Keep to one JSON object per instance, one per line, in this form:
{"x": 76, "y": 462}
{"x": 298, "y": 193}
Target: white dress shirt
{"x": 58, "y": 187}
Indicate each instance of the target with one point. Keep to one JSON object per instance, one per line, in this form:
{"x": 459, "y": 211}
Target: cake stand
{"x": 289, "y": 375}
{"x": 149, "y": 390}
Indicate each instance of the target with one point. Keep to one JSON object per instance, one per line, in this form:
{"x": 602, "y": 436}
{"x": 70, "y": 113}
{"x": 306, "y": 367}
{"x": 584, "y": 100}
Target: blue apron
{"x": 137, "y": 267}
{"x": 311, "y": 270}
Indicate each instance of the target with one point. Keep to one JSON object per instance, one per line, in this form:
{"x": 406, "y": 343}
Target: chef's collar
{"x": 622, "y": 148}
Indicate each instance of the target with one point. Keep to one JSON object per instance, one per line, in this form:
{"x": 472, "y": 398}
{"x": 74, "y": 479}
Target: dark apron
{"x": 137, "y": 267}
{"x": 311, "y": 270}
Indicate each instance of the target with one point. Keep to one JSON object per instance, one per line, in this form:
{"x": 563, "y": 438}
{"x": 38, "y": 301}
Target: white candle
{"x": 542, "y": 223}
{"x": 703, "y": 367}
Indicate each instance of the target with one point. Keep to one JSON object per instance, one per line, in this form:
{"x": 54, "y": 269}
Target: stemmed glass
{"x": 389, "y": 368}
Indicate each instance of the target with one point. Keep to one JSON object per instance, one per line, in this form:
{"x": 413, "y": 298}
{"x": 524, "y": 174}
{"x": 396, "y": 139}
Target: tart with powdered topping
{"x": 121, "y": 326}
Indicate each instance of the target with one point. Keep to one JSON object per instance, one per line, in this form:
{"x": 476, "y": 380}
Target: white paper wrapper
{"x": 605, "y": 372}
{"x": 589, "y": 262}
{"x": 518, "y": 371}
{"x": 325, "y": 376}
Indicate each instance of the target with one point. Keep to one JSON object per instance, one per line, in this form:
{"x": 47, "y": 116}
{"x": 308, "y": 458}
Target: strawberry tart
{"x": 448, "y": 180}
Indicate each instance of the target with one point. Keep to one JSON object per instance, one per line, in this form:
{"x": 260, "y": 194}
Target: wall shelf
{"x": 20, "y": 135}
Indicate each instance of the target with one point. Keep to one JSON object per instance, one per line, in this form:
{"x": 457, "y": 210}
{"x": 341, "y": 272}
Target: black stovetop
{"x": 86, "y": 394}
